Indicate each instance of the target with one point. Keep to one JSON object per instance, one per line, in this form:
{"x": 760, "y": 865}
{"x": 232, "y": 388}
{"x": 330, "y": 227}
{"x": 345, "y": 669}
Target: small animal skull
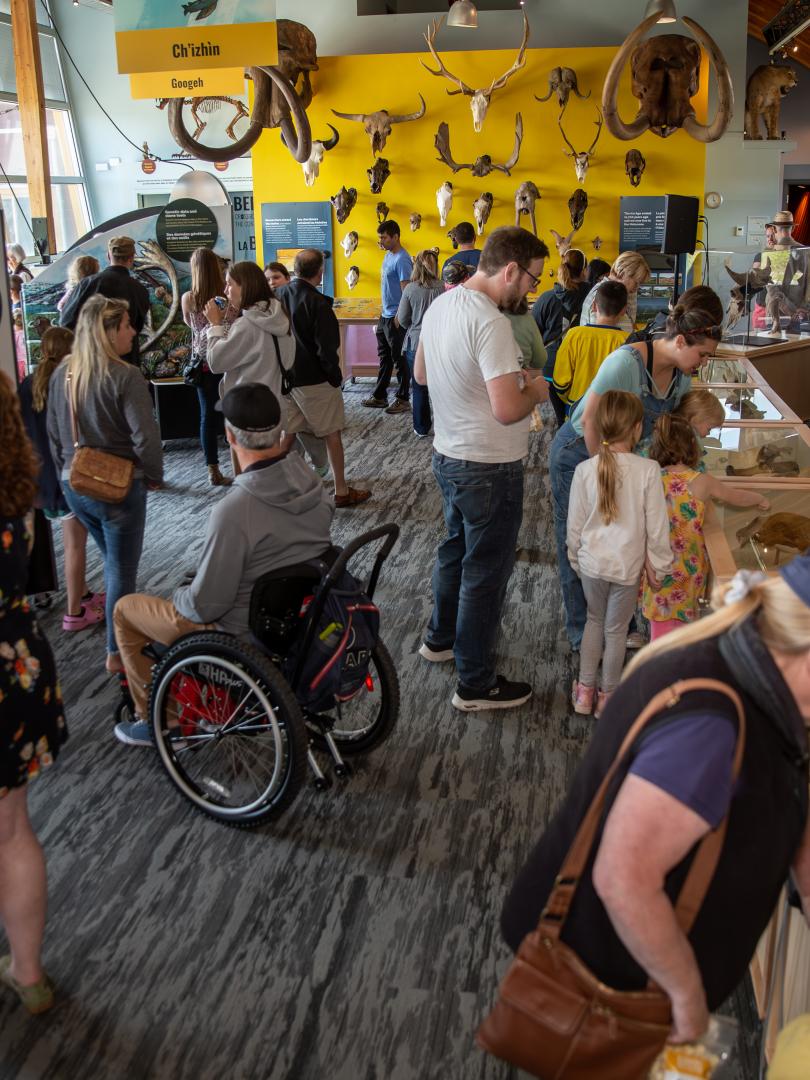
{"x": 597, "y": 243}
{"x": 344, "y": 202}
{"x": 353, "y": 276}
{"x": 416, "y": 222}
{"x": 349, "y": 243}
{"x": 634, "y": 166}
{"x": 444, "y": 201}
{"x": 482, "y": 208}
{"x": 453, "y": 238}
{"x": 577, "y": 205}
{"x": 525, "y": 198}
{"x": 382, "y": 212}
{"x": 312, "y": 165}
{"x": 378, "y": 174}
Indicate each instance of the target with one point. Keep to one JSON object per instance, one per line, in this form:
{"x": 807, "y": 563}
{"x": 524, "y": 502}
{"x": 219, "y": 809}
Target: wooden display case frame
{"x": 766, "y": 479}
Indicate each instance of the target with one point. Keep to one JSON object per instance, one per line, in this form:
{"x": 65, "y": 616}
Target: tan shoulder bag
{"x": 95, "y": 473}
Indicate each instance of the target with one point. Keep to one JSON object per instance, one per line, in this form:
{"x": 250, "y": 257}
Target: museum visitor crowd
{"x": 472, "y": 364}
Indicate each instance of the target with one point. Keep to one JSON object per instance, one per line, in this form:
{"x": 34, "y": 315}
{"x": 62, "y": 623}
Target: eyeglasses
{"x": 528, "y": 273}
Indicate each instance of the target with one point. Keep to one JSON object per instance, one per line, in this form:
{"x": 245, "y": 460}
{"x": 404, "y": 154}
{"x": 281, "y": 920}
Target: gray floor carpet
{"x": 357, "y": 937}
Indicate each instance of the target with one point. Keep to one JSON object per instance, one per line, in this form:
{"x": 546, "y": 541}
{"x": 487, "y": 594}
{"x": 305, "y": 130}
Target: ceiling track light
{"x": 664, "y": 9}
{"x": 463, "y": 13}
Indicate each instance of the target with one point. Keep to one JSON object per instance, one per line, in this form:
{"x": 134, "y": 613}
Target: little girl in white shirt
{"x": 617, "y": 527}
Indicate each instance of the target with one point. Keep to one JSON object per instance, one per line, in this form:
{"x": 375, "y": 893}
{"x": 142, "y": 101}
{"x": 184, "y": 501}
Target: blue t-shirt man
{"x": 396, "y": 268}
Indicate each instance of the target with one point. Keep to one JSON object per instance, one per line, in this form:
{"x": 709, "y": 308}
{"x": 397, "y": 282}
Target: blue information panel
{"x": 289, "y": 227}
{"x": 641, "y": 223}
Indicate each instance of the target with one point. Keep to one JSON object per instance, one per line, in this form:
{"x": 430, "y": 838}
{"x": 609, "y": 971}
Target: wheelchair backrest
{"x": 277, "y": 598}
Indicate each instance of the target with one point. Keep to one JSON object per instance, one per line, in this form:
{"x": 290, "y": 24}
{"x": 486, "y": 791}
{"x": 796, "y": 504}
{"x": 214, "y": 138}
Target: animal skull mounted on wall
{"x": 562, "y": 243}
{"x": 582, "y": 159}
{"x": 482, "y": 208}
{"x": 378, "y": 125}
{"x": 525, "y": 198}
{"x": 484, "y": 165}
{"x": 312, "y": 165}
{"x": 597, "y": 243}
{"x": 634, "y": 166}
{"x": 344, "y": 202}
{"x": 349, "y": 243}
{"x": 416, "y": 222}
{"x": 562, "y": 81}
{"x": 444, "y": 201}
{"x": 479, "y": 99}
{"x": 353, "y": 276}
{"x": 382, "y": 211}
{"x": 666, "y": 75}
{"x": 577, "y": 205}
{"x": 378, "y": 174}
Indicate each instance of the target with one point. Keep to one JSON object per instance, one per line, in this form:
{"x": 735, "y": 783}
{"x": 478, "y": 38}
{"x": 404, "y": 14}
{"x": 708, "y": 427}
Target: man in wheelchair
{"x": 276, "y": 513}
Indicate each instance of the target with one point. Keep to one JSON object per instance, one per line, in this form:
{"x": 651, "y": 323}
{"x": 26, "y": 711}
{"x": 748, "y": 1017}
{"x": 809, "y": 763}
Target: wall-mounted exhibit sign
{"x": 244, "y": 226}
{"x": 641, "y": 222}
{"x": 216, "y": 82}
{"x": 289, "y": 227}
{"x": 186, "y": 224}
{"x": 157, "y": 36}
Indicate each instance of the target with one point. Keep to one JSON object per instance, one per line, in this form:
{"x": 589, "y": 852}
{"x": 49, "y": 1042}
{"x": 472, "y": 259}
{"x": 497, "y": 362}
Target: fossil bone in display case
{"x": 759, "y": 453}
{"x": 746, "y": 538}
{"x": 744, "y": 403}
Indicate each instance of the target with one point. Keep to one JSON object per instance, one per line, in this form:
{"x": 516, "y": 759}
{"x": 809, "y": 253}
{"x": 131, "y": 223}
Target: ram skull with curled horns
{"x": 666, "y": 75}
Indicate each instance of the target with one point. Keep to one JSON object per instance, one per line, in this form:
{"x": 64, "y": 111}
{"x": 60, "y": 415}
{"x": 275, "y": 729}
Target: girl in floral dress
{"x": 676, "y": 449}
{"x": 32, "y": 724}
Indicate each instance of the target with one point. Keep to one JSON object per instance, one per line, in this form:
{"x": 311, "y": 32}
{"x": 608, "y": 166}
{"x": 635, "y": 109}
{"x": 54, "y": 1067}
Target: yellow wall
{"x": 365, "y": 83}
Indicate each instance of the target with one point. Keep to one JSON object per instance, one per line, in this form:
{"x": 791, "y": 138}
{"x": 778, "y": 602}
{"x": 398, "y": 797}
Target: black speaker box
{"x": 680, "y": 224}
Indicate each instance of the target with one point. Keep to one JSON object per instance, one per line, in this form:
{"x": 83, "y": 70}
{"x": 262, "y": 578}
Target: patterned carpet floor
{"x": 356, "y": 938}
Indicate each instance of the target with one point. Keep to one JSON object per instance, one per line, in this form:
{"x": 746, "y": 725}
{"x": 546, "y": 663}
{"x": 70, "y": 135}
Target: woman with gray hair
{"x": 15, "y": 261}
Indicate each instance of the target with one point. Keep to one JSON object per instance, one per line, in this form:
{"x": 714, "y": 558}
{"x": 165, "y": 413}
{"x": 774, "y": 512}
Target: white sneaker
{"x": 636, "y": 640}
{"x": 435, "y": 656}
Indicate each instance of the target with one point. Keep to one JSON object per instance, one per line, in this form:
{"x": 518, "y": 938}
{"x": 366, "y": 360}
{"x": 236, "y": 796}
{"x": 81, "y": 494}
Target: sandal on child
{"x": 37, "y": 998}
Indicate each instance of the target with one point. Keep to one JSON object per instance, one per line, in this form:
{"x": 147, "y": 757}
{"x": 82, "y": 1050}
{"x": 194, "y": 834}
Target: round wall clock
{"x": 713, "y": 199}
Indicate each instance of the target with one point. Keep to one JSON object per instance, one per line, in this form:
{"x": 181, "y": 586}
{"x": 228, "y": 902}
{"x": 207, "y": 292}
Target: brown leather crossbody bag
{"x": 554, "y": 1018}
{"x": 95, "y": 473}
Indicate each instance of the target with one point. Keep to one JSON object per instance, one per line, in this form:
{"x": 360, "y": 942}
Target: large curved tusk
{"x": 299, "y": 142}
{"x": 261, "y": 103}
{"x": 330, "y": 144}
{"x": 616, "y": 126}
{"x": 707, "y": 133}
{"x": 410, "y": 116}
{"x": 360, "y": 117}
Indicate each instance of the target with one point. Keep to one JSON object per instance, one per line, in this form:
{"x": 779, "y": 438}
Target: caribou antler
{"x": 430, "y": 38}
{"x": 510, "y": 164}
{"x": 520, "y": 60}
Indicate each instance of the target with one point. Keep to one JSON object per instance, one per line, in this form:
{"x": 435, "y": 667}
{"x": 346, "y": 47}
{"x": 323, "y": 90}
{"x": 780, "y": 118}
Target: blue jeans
{"x": 567, "y": 451}
{"x": 208, "y": 396}
{"x": 117, "y": 529}
{"x": 420, "y": 400}
{"x": 483, "y": 509}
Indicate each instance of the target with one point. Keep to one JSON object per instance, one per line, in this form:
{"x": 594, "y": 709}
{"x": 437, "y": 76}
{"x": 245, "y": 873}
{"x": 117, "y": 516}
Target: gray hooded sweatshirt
{"x": 274, "y": 515}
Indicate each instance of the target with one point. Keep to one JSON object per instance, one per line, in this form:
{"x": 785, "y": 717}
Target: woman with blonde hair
{"x": 32, "y": 723}
{"x": 207, "y": 282}
{"x": 81, "y": 267}
{"x": 631, "y": 270}
{"x": 557, "y": 310}
{"x": 113, "y": 412}
{"x": 417, "y": 296}
{"x": 84, "y": 607}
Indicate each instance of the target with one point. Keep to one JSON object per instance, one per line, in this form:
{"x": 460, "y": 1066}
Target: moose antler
{"x": 430, "y": 38}
{"x": 520, "y": 60}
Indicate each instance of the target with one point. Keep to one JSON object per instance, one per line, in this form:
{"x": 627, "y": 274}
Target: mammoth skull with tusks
{"x": 277, "y": 101}
{"x": 344, "y": 202}
{"x": 377, "y": 125}
{"x": 562, "y": 81}
{"x": 353, "y": 276}
{"x": 666, "y": 75}
{"x": 482, "y": 208}
{"x": 634, "y": 166}
{"x": 349, "y": 243}
{"x": 312, "y": 165}
{"x": 525, "y": 198}
{"x": 378, "y": 174}
{"x": 416, "y": 222}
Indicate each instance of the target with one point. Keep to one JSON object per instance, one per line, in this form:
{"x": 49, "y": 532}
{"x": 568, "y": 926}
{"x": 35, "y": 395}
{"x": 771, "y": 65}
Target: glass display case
{"x": 759, "y": 453}
{"x": 751, "y": 404}
{"x": 725, "y": 369}
{"x": 752, "y": 539}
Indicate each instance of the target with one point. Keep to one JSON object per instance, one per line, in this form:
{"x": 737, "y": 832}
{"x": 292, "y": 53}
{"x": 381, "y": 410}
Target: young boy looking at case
{"x": 585, "y": 347}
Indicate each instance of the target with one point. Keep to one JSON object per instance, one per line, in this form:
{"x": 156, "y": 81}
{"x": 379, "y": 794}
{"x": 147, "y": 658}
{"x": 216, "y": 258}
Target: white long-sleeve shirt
{"x": 616, "y": 552}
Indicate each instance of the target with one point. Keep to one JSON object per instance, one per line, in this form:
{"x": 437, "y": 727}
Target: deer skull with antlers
{"x": 479, "y": 99}
{"x": 378, "y": 124}
{"x": 582, "y": 159}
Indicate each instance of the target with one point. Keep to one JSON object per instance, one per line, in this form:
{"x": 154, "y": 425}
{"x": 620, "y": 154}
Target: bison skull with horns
{"x": 377, "y": 125}
{"x": 666, "y": 75}
{"x": 276, "y": 101}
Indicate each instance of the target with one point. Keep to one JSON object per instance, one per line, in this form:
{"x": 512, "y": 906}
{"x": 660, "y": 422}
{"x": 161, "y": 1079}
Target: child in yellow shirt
{"x": 585, "y": 347}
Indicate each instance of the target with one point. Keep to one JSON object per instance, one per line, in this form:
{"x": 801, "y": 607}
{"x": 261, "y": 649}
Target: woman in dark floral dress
{"x": 32, "y": 724}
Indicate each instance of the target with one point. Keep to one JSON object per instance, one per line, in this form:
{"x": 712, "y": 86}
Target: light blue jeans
{"x": 117, "y": 529}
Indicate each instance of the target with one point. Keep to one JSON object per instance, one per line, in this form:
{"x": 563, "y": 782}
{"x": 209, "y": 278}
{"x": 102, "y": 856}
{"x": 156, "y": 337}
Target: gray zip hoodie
{"x": 274, "y": 515}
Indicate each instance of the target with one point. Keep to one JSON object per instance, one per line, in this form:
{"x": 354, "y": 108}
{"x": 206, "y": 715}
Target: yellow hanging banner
{"x": 209, "y": 82}
{"x": 194, "y": 48}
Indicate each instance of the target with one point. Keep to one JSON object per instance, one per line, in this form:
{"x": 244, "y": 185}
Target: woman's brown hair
{"x": 573, "y": 266}
{"x": 697, "y": 315}
{"x": 426, "y": 269}
{"x": 251, "y": 280}
{"x": 617, "y": 416}
{"x": 207, "y": 278}
{"x": 56, "y": 343}
{"x": 82, "y": 267}
{"x": 18, "y": 463}
{"x": 674, "y": 442}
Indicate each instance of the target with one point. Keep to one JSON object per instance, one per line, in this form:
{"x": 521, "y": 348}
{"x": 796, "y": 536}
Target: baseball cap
{"x": 121, "y": 247}
{"x": 454, "y": 272}
{"x": 252, "y": 407}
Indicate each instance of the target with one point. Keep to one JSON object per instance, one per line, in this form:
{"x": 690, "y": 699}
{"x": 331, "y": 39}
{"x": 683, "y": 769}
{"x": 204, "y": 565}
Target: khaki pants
{"x": 140, "y": 620}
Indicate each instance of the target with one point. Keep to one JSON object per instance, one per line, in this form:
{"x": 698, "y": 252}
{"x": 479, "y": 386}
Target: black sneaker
{"x": 503, "y": 695}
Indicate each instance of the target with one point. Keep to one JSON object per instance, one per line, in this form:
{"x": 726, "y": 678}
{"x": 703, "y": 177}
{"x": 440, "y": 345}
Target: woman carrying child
{"x": 675, "y": 448}
{"x": 617, "y": 525}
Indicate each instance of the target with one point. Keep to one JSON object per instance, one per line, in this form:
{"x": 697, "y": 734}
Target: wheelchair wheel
{"x": 368, "y": 718}
{"x": 228, "y": 729}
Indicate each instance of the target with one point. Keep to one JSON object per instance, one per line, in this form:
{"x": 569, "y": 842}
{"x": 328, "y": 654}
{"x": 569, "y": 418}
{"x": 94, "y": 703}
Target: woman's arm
{"x": 419, "y": 369}
{"x": 404, "y": 311}
{"x": 185, "y": 307}
{"x": 145, "y": 434}
{"x": 225, "y": 353}
{"x": 705, "y": 487}
{"x": 589, "y": 429}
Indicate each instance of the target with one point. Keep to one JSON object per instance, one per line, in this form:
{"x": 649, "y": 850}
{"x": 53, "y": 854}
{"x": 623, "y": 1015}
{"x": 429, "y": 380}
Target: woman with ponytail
{"x": 659, "y": 373}
{"x": 557, "y": 310}
{"x": 674, "y": 787}
{"x": 617, "y": 524}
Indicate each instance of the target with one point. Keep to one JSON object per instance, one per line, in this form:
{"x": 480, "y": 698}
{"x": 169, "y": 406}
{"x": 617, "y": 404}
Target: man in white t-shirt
{"x": 481, "y": 402}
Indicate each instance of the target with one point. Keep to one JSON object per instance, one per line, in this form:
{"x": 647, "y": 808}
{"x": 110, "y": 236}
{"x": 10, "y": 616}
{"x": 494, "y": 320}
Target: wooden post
{"x": 31, "y": 101}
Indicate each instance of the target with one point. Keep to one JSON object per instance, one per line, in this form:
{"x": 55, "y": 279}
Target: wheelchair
{"x": 228, "y": 726}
